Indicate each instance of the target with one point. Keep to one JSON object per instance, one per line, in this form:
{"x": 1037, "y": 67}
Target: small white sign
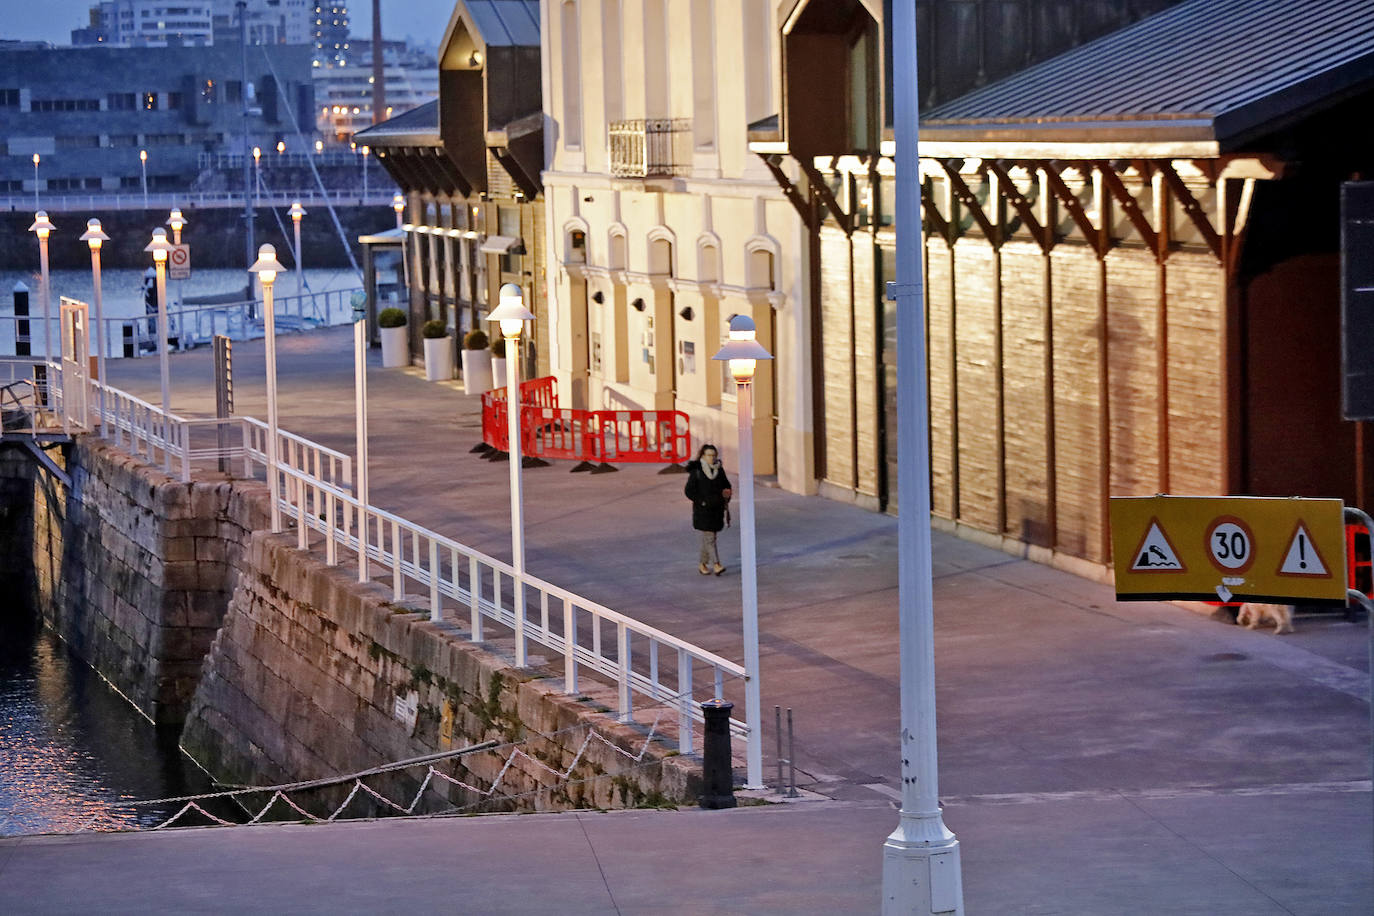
{"x": 1230, "y": 544}
{"x": 179, "y": 262}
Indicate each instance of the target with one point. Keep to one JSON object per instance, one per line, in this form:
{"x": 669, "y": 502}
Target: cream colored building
{"x": 662, "y": 224}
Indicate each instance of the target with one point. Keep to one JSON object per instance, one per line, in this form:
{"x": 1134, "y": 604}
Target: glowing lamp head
{"x": 143, "y": 155}
{"x": 159, "y": 246}
{"x": 176, "y": 220}
{"x": 42, "y": 225}
{"x": 319, "y": 146}
{"x": 93, "y": 235}
{"x": 297, "y": 211}
{"x": 511, "y": 313}
{"x": 36, "y": 159}
{"x": 742, "y": 350}
{"x": 398, "y": 203}
{"x": 281, "y": 147}
{"x": 267, "y": 265}
{"x": 257, "y": 154}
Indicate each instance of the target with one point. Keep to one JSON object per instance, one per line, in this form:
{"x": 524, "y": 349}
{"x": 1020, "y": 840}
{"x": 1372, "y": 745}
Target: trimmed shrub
{"x": 391, "y": 318}
{"x": 475, "y": 339}
{"x": 434, "y": 329}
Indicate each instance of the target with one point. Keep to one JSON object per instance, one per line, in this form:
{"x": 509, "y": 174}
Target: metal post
{"x": 360, "y": 419}
{"x": 753, "y": 713}
{"x": 517, "y": 505}
{"x": 300, "y": 282}
{"x": 718, "y": 781}
{"x": 777, "y": 728}
{"x": 270, "y": 339}
{"x": 921, "y": 868}
{"x": 224, "y": 395}
{"x": 1359, "y": 516}
{"x": 248, "y": 213}
{"x": 47, "y": 304}
{"x": 791, "y": 759}
{"x": 163, "y": 367}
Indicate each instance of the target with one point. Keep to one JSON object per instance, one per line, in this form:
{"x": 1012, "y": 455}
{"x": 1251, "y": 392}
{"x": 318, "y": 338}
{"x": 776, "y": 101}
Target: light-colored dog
{"x": 1251, "y": 616}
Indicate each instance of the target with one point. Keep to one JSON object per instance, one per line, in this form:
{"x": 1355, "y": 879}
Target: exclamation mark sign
{"x": 1302, "y": 551}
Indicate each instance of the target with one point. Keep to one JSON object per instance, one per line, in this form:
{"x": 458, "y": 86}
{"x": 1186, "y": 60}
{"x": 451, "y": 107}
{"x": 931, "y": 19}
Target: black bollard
{"x": 21, "y": 325}
{"x": 718, "y": 780}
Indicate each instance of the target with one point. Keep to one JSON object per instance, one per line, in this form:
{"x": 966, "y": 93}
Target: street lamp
{"x": 319, "y": 147}
{"x": 93, "y": 236}
{"x": 42, "y": 227}
{"x": 266, "y": 267}
{"x": 36, "y": 159}
{"x": 143, "y": 164}
{"x": 176, "y": 221}
{"x": 257, "y": 173}
{"x": 398, "y": 203}
{"x": 281, "y": 147}
{"x": 921, "y": 860}
{"x": 511, "y": 315}
{"x": 297, "y": 211}
{"x": 159, "y": 247}
{"x": 743, "y": 351}
{"x": 365, "y": 150}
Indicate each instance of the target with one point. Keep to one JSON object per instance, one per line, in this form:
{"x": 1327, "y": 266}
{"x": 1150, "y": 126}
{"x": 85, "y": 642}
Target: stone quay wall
{"x": 280, "y": 668}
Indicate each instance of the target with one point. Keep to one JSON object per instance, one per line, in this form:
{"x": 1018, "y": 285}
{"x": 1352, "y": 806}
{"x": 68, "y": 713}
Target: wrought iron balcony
{"x": 651, "y": 147}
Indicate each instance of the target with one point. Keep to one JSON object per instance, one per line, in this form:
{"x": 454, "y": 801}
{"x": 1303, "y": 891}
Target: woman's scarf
{"x": 710, "y": 470}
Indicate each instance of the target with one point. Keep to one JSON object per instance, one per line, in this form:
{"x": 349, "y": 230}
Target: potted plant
{"x": 395, "y": 349}
{"x": 476, "y": 363}
{"x": 498, "y": 362}
{"x": 438, "y": 350}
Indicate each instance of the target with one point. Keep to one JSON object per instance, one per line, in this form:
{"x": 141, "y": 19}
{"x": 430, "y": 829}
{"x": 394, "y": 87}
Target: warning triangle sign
{"x": 1155, "y": 553}
{"x": 1301, "y": 558}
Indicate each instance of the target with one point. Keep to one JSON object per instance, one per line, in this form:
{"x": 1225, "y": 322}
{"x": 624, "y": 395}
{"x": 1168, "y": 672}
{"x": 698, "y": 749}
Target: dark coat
{"x": 707, "y": 496}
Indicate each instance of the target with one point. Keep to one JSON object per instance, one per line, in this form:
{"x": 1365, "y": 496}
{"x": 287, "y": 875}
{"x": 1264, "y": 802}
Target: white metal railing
{"x": 379, "y": 195}
{"x": 30, "y": 395}
{"x": 318, "y": 496}
{"x": 191, "y": 325}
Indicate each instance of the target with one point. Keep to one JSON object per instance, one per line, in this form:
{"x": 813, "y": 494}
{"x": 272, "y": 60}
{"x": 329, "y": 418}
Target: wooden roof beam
{"x": 1191, "y": 207}
{"x": 1023, "y": 207}
{"x": 1126, "y": 200}
{"x": 966, "y": 197}
{"x": 1075, "y": 207}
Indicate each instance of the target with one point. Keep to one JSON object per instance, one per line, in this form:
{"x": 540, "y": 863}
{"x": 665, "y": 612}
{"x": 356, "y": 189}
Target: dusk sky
{"x": 53, "y": 20}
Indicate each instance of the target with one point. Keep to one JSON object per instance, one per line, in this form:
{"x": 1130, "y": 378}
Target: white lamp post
{"x": 398, "y": 203}
{"x": 93, "y": 236}
{"x": 921, "y": 868}
{"x": 36, "y": 159}
{"x": 257, "y": 173}
{"x": 511, "y": 315}
{"x": 360, "y": 419}
{"x": 266, "y": 267}
{"x": 365, "y": 150}
{"x": 143, "y": 164}
{"x": 297, "y": 211}
{"x": 159, "y": 247}
{"x": 176, "y": 221}
{"x": 743, "y": 352}
{"x": 42, "y": 227}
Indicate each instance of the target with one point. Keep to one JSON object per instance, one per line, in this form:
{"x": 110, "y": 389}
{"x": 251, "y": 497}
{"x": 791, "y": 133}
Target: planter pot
{"x": 498, "y": 371}
{"x": 438, "y": 358}
{"x": 395, "y": 350}
{"x": 477, "y": 371}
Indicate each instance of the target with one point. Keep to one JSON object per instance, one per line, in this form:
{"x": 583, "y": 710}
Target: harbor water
{"x": 72, "y": 748}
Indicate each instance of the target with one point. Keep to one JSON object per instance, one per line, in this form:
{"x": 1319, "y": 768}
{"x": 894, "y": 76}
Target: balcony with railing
{"x": 651, "y": 147}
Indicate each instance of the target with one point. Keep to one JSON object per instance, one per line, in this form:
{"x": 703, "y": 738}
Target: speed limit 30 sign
{"x": 1229, "y": 548}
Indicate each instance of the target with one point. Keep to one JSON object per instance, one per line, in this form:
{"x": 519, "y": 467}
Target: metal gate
{"x": 76, "y": 360}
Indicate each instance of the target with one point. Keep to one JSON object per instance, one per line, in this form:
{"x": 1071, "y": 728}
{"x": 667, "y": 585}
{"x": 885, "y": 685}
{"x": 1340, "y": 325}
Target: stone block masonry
{"x": 280, "y": 668}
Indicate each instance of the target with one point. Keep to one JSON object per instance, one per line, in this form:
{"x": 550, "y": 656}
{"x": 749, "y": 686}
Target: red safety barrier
{"x": 606, "y": 436}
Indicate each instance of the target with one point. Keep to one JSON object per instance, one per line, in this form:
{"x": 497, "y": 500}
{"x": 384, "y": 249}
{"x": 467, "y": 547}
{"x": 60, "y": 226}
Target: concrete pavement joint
{"x": 591, "y": 847}
{"x": 1353, "y": 786}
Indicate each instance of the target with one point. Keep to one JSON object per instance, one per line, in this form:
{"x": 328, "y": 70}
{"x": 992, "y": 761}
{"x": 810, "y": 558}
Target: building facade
{"x": 469, "y": 165}
{"x": 1130, "y": 282}
{"x": 88, "y": 113}
{"x": 662, "y": 225}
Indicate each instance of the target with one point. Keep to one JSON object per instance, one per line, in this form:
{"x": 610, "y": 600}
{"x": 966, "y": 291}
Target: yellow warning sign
{"x": 1229, "y": 548}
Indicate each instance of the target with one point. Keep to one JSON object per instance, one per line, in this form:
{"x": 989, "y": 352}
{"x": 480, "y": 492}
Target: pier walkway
{"x": 1096, "y": 757}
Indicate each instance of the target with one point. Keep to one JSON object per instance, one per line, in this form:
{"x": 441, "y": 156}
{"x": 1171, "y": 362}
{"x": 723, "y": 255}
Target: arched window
{"x": 572, "y": 76}
{"x": 619, "y": 253}
{"x": 661, "y": 257}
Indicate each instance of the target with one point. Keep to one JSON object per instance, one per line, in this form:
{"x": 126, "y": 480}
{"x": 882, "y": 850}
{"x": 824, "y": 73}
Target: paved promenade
{"x": 1095, "y": 757}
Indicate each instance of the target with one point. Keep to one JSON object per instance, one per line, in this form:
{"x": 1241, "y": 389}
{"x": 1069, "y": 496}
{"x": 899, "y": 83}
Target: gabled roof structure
{"x": 1200, "y": 79}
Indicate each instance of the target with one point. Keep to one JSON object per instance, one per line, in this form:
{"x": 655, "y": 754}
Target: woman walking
{"x": 709, "y": 490}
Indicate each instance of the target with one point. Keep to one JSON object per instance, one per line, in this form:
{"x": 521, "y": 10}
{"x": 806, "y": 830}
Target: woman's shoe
{"x": 704, "y": 570}
{"x": 719, "y": 569}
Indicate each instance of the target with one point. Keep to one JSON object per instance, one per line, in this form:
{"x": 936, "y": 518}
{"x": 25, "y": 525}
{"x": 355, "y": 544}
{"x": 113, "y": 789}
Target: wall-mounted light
{"x": 687, "y": 313}
{"x": 598, "y": 297}
{"x": 638, "y": 304}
